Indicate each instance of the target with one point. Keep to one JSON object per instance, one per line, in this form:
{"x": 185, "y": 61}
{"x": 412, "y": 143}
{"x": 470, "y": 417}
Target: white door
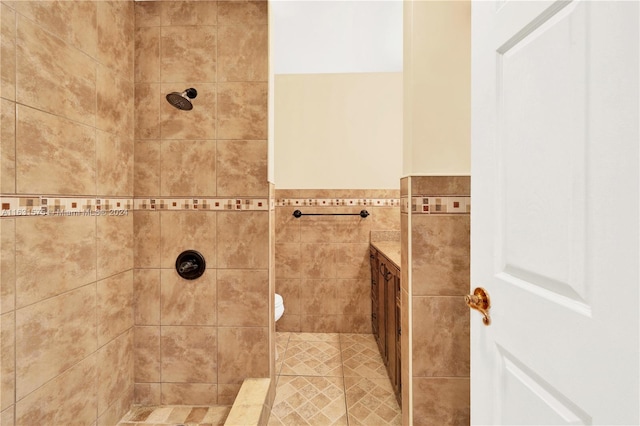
{"x": 555, "y": 188}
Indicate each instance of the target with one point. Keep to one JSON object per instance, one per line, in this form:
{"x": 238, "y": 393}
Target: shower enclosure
{"x": 102, "y": 190}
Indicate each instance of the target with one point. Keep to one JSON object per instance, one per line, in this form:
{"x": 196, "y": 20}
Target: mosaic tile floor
{"x": 332, "y": 379}
{"x": 175, "y": 415}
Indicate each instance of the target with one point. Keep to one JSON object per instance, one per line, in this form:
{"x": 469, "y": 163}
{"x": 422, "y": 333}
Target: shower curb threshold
{"x": 251, "y": 407}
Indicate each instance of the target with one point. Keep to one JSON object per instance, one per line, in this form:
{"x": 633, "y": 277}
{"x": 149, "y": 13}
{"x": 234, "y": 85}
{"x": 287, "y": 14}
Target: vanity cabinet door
{"x": 375, "y": 327}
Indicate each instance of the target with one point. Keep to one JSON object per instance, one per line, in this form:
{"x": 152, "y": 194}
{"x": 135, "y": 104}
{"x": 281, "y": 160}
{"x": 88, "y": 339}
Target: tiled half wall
{"x": 322, "y": 262}
{"x": 435, "y": 276}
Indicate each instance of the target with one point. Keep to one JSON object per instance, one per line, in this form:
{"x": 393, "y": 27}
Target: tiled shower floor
{"x": 175, "y": 415}
{"x": 323, "y": 379}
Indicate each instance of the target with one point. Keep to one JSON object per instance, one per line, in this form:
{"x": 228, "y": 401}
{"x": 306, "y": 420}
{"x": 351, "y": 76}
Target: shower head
{"x": 182, "y": 100}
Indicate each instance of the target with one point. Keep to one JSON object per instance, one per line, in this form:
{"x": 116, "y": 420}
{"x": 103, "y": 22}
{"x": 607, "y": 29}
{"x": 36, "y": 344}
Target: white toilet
{"x": 279, "y": 306}
{"x": 279, "y": 310}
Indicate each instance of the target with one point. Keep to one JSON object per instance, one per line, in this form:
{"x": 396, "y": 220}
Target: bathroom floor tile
{"x": 371, "y": 402}
{"x": 361, "y": 387}
{"x": 315, "y": 337}
{"x": 312, "y": 359}
{"x": 362, "y": 359}
{"x": 304, "y": 400}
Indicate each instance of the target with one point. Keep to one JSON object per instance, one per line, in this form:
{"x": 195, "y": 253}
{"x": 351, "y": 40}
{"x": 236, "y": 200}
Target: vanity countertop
{"x": 391, "y": 249}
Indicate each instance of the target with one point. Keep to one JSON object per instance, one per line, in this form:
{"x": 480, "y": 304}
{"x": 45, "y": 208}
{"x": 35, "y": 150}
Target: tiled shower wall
{"x": 322, "y": 262}
{"x": 436, "y": 219}
{"x": 67, "y": 281}
{"x": 195, "y": 341}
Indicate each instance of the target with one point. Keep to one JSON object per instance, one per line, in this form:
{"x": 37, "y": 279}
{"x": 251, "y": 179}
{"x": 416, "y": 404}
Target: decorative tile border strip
{"x": 16, "y": 206}
{"x": 437, "y": 205}
{"x": 214, "y": 204}
{"x": 335, "y": 202}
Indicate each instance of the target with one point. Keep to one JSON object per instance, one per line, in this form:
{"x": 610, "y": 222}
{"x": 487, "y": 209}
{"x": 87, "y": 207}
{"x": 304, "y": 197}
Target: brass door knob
{"x": 480, "y": 301}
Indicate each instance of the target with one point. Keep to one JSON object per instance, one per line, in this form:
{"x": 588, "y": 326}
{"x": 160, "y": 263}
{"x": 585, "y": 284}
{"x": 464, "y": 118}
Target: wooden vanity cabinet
{"x": 386, "y": 314}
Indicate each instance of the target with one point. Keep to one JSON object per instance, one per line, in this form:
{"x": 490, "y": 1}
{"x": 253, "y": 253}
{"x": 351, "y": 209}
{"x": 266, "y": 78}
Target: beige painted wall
{"x": 437, "y": 87}
{"x": 338, "y": 131}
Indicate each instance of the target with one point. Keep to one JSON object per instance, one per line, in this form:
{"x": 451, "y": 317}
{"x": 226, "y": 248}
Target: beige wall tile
{"x": 8, "y": 360}
{"x": 351, "y": 229}
{"x": 242, "y": 353}
{"x": 115, "y": 103}
{"x": 317, "y": 260}
{"x": 441, "y": 255}
{"x": 227, "y": 393}
{"x": 188, "y": 230}
{"x": 287, "y": 226}
{"x": 118, "y": 409}
{"x": 189, "y": 393}
{"x": 115, "y": 371}
{"x": 242, "y": 168}
{"x": 115, "y": 306}
{"x": 404, "y": 251}
{"x": 243, "y": 240}
{"x": 8, "y": 56}
{"x": 146, "y": 355}
{"x": 243, "y": 298}
{"x": 319, "y": 296}
{"x": 7, "y": 417}
{"x": 288, "y": 261}
{"x": 188, "y": 168}
{"x": 242, "y": 111}
{"x": 289, "y": 289}
{"x": 146, "y": 296}
{"x": 188, "y": 302}
{"x": 188, "y": 354}
{"x": 53, "y": 255}
{"x": 289, "y": 322}
{"x": 147, "y": 394}
{"x": 147, "y": 14}
{"x": 147, "y": 54}
{"x": 114, "y": 244}
{"x": 188, "y": 53}
{"x": 116, "y": 36}
{"x": 43, "y": 80}
{"x": 406, "y": 356}
{"x": 404, "y": 186}
{"x": 244, "y": 13}
{"x": 49, "y": 149}
{"x": 319, "y": 323}
{"x": 318, "y": 229}
{"x": 385, "y": 218}
{"x": 199, "y": 123}
{"x": 8, "y": 264}
{"x": 360, "y": 323}
{"x": 146, "y": 176}
{"x": 147, "y": 110}
{"x": 352, "y": 261}
{"x": 114, "y": 164}
{"x": 7, "y": 146}
{"x": 441, "y": 401}
{"x": 354, "y": 297}
{"x": 74, "y": 22}
{"x": 70, "y": 398}
{"x": 440, "y": 336}
{"x": 242, "y": 53}
{"x": 440, "y": 185}
{"x": 146, "y": 229}
{"x": 52, "y": 336}
{"x": 189, "y": 13}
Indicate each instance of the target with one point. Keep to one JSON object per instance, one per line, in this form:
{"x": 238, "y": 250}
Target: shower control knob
{"x": 190, "y": 264}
